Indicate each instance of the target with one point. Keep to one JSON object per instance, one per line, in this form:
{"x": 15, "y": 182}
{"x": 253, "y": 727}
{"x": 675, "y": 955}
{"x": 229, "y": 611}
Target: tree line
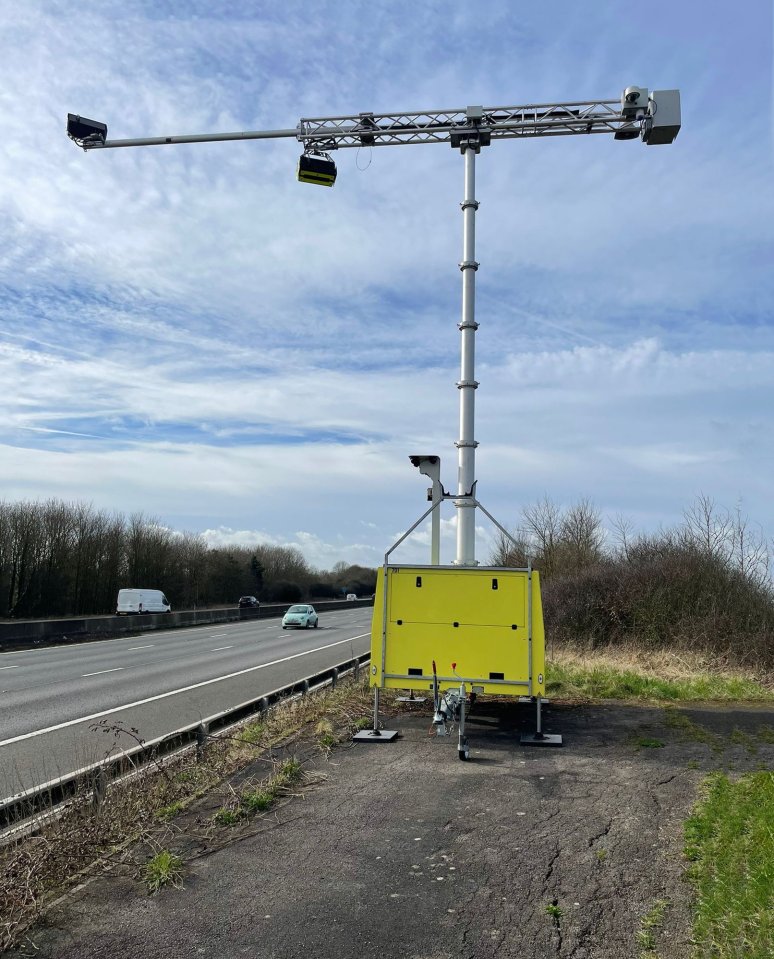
{"x": 62, "y": 559}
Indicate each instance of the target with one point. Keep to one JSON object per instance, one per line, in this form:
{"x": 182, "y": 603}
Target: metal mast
{"x": 654, "y": 117}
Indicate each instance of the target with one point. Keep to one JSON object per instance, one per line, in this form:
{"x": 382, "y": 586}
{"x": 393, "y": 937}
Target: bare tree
{"x": 506, "y": 552}
{"x": 581, "y": 536}
{"x": 543, "y": 522}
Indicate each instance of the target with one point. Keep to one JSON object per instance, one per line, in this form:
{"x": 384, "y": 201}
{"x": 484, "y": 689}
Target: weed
{"x": 675, "y": 719}
{"x": 601, "y": 854}
{"x": 252, "y": 734}
{"x": 170, "y": 811}
{"x": 163, "y": 869}
{"x": 646, "y": 940}
{"x": 740, "y": 738}
{"x": 325, "y": 735}
{"x": 765, "y": 734}
{"x": 256, "y": 800}
{"x": 645, "y": 937}
{"x": 362, "y": 723}
{"x": 693, "y": 764}
{"x": 554, "y": 910}
{"x": 647, "y": 743}
{"x": 226, "y": 817}
{"x": 289, "y": 772}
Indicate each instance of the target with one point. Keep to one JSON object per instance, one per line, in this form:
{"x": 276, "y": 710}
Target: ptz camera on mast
{"x": 486, "y": 620}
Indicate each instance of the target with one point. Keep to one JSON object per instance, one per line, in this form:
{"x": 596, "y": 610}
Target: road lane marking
{"x": 221, "y": 647}
{"x": 116, "y": 669}
{"x": 11, "y": 667}
{"x": 175, "y": 692}
{"x": 132, "y": 648}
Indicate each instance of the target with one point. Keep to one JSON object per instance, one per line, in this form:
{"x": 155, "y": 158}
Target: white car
{"x": 301, "y": 616}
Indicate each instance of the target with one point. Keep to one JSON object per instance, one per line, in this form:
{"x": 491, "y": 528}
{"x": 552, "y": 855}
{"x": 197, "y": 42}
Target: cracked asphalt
{"x": 401, "y": 850}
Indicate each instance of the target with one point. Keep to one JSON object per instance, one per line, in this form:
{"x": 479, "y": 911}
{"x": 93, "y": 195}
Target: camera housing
{"x": 634, "y": 102}
{"x": 81, "y": 128}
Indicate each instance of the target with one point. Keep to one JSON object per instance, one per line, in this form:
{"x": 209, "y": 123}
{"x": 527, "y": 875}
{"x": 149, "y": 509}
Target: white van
{"x": 141, "y": 601}
{"x": 351, "y": 597}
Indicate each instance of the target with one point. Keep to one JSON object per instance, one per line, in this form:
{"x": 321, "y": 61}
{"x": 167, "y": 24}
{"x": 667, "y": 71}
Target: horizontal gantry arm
{"x": 482, "y": 124}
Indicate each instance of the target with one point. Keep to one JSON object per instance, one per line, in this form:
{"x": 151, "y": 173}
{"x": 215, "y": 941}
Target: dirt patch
{"x": 402, "y": 850}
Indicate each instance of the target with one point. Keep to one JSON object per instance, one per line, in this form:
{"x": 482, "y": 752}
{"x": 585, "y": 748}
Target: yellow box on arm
{"x": 480, "y": 624}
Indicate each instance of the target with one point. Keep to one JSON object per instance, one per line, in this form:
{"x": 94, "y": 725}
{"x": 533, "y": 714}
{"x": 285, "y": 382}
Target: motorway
{"x": 51, "y": 699}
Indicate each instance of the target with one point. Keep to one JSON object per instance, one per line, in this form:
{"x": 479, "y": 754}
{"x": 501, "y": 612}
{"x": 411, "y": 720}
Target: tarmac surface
{"x": 402, "y": 850}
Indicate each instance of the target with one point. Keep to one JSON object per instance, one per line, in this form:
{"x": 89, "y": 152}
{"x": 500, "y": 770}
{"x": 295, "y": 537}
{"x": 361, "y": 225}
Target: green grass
{"x": 646, "y": 742}
{"x": 606, "y": 682}
{"x": 729, "y": 842}
{"x": 554, "y": 911}
{"x": 163, "y": 869}
{"x": 650, "y": 923}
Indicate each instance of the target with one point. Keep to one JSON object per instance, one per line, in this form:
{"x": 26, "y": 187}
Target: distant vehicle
{"x": 351, "y": 597}
{"x": 141, "y": 601}
{"x": 249, "y": 602}
{"x": 302, "y": 616}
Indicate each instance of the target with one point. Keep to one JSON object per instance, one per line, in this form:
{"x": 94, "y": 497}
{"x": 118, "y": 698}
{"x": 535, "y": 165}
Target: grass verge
{"x": 729, "y": 842}
{"x": 661, "y": 677}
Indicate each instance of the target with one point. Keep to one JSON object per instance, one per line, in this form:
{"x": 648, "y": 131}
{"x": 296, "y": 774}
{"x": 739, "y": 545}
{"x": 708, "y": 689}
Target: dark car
{"x": 248, "y": 602}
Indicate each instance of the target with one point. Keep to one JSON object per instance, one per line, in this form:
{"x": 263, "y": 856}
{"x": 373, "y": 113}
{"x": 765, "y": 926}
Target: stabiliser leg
{"x": 375, "y": 735}
{"x": 539, "y": 738}
{"x": 462, "y": 747}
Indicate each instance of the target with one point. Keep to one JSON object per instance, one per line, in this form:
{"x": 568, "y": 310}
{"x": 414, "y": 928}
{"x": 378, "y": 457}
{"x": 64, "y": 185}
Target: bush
{"x": 663, "y": 594}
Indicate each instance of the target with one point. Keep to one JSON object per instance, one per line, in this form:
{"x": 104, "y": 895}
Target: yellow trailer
{"x": 480, "y": 625}
{"x": 460, "y": 631}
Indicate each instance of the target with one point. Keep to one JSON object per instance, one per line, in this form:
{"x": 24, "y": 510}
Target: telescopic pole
{"x": 466, "y": 444}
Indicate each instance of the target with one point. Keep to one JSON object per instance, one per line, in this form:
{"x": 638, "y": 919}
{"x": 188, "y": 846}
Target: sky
{"x": 188, "y": 332}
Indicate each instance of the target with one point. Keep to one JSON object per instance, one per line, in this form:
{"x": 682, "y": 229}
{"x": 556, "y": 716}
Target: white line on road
{"x": 174, "y": 692}
{"x": 116, "y": 669}
{"x": 9, "y": 667}
{"x": 132, "y": 648}
{"x": 221, "y": 647}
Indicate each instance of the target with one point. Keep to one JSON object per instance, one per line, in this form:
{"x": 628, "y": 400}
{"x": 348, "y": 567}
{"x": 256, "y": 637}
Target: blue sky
{"x": 189, "y": 332}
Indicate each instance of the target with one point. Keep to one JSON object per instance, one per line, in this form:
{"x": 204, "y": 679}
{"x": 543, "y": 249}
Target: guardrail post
{"x": 202, "y": 734}
{"x": 305, "y": 687}
{"x": 334, "y": 677}
{"x": 264, "y": 705}
{"x": 98, "y": 787}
